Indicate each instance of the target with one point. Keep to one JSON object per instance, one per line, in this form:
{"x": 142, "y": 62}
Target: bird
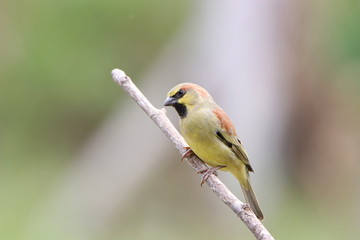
{"x": 212, "y": 136}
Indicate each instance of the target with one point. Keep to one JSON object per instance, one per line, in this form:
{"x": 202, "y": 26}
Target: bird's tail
{"x": 250, "y": 195}
{"x": 251, "y": 199}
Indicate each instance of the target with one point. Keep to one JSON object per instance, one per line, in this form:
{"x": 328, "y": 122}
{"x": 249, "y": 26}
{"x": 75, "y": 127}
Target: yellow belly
{"x": 201, "y": 137}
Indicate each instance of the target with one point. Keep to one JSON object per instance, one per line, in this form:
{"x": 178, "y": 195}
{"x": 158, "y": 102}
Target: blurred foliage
{"x": 342, "y": 38}
{"x": 56, "y": 87}
{"x": 344, "y": 30}
{"x": 55, "y": 71}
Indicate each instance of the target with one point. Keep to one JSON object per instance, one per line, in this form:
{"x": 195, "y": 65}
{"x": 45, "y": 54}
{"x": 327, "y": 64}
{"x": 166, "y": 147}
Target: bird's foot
{"x": 187, "y": 154}
{"x": 207, "y": 173}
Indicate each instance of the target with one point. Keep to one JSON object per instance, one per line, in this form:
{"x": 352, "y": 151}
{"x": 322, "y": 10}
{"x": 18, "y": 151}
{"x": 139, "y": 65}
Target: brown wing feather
{"x": 229, "y": 137}
{"x": 225, "y": 121}
{"x": 240, "y": 152}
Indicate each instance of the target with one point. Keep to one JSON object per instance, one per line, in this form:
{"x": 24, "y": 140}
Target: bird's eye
{"x": 180, "y": 93}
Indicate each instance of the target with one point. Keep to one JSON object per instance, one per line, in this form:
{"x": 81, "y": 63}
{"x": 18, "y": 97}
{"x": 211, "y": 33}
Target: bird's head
{"x": 185, "y": 96}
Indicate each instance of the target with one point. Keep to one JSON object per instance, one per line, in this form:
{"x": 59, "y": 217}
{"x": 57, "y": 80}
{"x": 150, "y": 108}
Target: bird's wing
{"x": 227, "y": 134}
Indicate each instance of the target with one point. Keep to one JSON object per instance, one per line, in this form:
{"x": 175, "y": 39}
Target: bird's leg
{"x": 207, "y": 173}
{"x": 187, "y": 154}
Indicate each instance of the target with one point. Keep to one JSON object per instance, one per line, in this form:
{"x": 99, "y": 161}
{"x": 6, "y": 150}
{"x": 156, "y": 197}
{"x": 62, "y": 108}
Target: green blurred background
{"x": 56, "y": 89}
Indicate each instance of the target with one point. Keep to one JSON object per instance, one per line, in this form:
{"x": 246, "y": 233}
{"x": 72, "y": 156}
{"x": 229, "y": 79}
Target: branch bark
{"x": 159, "y": 117}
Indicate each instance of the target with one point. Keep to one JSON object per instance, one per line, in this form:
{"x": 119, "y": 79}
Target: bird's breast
{"x": 199, "y": 131}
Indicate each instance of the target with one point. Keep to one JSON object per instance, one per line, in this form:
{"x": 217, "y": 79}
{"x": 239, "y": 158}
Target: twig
{"x": 159, "y": 117}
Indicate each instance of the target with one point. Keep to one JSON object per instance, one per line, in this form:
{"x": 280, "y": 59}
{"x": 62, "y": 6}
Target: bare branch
{"x": 159, "y": 117}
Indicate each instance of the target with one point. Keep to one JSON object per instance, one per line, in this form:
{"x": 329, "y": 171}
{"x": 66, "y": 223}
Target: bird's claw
{"x": 187, "y": 154}
{"x": 207, "y": 173}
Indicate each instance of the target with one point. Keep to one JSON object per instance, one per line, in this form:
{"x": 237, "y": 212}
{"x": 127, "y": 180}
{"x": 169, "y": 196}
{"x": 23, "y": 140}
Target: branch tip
{"x": 118, "y": 76}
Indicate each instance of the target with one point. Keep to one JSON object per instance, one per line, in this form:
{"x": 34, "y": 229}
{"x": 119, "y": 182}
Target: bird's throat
{"x": 181, "y": 109}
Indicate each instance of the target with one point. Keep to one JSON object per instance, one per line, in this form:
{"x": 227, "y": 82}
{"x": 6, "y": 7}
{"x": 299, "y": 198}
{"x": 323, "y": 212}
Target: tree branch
{"x": 159, "y": 117}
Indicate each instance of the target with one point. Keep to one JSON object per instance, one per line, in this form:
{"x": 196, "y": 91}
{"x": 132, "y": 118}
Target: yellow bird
{"x": 212, "y": 136}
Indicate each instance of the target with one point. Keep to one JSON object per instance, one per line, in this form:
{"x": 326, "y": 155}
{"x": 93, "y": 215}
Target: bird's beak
{"x": 170, "y": 101}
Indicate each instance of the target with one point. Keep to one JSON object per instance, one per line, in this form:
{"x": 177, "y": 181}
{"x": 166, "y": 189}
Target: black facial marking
{"x": 181, "y": 109}
{"x": 179, "y": 94}
{"x": 221, "y": 137}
